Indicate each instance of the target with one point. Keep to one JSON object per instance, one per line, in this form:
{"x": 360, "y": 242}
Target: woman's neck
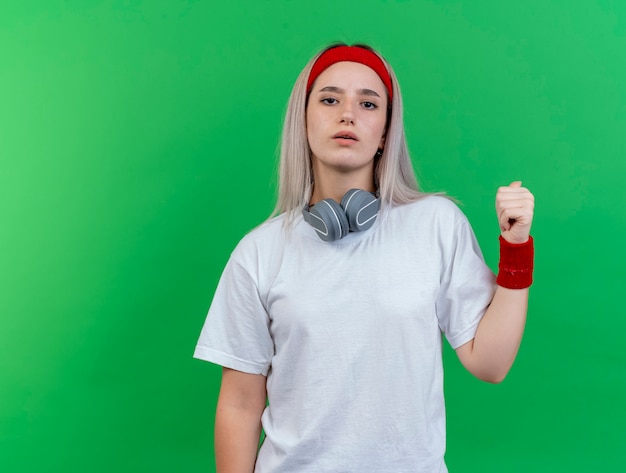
{"x": 335, "y": 185}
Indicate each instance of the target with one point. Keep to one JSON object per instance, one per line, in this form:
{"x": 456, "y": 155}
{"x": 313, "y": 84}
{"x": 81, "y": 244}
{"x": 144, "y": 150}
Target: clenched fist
{"x": 515, "y": 207}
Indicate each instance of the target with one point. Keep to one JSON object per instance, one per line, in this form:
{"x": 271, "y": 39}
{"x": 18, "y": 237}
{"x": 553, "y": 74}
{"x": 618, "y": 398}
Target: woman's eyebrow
{"x": 338, "y": 90}
{"x": 369, "y": 92}
{"x": 330, "y": 88}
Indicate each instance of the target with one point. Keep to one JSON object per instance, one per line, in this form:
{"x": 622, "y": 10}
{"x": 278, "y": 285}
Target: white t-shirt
{"x": 348, "y": 334}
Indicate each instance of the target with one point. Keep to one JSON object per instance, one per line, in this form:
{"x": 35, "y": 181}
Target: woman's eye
{"x": 369, "y": 105}
{"x": 329, "y": 101}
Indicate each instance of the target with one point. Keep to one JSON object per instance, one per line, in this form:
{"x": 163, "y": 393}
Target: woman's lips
{"x": 345, "y": 137}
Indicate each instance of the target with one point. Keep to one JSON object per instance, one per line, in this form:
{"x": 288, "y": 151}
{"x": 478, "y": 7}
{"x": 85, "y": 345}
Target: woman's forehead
{"x": 347, "y": 74}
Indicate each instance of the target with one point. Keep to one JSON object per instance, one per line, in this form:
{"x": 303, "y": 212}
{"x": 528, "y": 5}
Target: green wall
{"x": 138, "y": 144}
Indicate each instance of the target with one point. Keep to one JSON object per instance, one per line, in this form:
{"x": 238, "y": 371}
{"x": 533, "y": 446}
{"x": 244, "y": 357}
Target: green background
{"x": 138, "y": 143}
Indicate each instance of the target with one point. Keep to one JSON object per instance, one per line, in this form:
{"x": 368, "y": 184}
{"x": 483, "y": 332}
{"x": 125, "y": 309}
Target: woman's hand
{"x": 515, "y": 207}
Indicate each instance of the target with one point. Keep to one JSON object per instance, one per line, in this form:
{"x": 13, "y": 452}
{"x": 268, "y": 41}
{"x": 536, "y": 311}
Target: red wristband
{"x": 515, "y": 270}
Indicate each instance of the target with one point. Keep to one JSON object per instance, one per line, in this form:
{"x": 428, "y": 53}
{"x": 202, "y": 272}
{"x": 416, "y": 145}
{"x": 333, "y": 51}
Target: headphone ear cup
{"x": 361, "y": 208}
{"x": 329, "y": 220}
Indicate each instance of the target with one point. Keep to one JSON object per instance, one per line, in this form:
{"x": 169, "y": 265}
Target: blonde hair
{"x": 394, "y": 172}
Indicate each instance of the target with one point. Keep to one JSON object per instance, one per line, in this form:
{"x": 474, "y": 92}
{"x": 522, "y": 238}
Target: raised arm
{"x": 491, "y": 353}
{"x": 238, "y": 421}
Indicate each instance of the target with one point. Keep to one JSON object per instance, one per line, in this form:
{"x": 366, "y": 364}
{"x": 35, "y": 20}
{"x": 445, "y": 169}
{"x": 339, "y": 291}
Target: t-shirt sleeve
{"x": 236, "y": 331}
{"x": 467, "y": 286}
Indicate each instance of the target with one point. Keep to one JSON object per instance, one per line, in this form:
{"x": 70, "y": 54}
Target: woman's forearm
{"x": 494, "y": 348}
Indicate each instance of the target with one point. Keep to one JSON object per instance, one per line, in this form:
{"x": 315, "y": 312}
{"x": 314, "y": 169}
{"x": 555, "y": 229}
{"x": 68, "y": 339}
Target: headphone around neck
{"x": 332, "y": 221}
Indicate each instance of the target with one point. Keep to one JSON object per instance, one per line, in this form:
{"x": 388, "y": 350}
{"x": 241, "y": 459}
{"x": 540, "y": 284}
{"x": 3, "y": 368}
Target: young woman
{"x": 328, "y": 318}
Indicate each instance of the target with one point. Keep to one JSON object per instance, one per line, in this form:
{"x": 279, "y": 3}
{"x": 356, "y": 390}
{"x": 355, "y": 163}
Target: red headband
{"x": 350, "y": 54}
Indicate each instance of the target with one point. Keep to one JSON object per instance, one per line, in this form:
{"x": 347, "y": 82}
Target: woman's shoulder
{"x": 267, "y": 233}
{"x": 430, "y": 205}
{"x": 261, "y": 251}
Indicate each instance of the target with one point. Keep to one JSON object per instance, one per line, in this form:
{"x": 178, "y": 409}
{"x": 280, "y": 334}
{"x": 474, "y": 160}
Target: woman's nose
{"x": 347, "y": 112}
